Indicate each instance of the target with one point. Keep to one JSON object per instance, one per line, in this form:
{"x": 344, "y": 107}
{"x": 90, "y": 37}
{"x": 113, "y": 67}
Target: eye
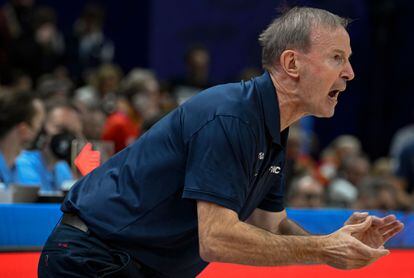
{"x": 339, "y": 58}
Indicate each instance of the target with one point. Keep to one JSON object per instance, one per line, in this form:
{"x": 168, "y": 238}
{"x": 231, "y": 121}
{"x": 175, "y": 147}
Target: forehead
{"x": 327, "y": 39}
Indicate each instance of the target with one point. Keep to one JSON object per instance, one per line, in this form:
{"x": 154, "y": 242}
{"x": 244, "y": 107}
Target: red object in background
{"x": 87, "y": 159}
{"x": 398, "y": 264}
{"x": 120, "y": 129}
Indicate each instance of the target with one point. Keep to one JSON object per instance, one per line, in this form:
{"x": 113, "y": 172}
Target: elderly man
{"x": 206, "y": 182}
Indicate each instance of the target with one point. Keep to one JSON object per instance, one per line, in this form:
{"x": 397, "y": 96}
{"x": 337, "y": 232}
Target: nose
{"x": 348, "y": 73}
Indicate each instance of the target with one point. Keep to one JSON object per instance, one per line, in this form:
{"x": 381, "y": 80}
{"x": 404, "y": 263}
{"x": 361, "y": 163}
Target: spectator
{"x": 48, "y": 165}
{"x": 93, "y": 123}
{"x": 21, "y": 117}
{"x": 401, "y": 138}
{"x": 343, "y": 191}
{"x": 53, "y": 88}
{"x": 377, "y": 193}
{"x": 306, "y": 192}
{"x": 139, "y": 103}
{"x": 89, "y": 47}
{"x": 332, "y": 157}
{"x": 405, "y": 169}
{"x": 297, "y": 163}
{"x": 102, "y": 88}
{"x": 197, "y": 60}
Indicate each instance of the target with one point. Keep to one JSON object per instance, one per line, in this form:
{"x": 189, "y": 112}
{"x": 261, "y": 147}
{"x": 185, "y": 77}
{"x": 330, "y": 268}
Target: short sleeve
{"x": 219, "y": 163}
{"x": 274, "y": 200}
{"x": 27, "y": 170}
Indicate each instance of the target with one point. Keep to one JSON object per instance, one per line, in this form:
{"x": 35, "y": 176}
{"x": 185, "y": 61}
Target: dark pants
{"x": 70, "y": 252}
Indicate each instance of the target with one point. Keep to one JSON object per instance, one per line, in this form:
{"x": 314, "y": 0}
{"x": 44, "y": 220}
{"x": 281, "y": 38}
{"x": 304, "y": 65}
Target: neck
{"x": 290, "y": 106}
{"x": 10, "y": 148}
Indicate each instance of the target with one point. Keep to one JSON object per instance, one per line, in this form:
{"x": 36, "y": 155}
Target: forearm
{"x": 289, "y": 227}
{"x": 246, "y": 244}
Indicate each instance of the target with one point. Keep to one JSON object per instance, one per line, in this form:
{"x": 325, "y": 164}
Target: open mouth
{"x": 334, "y": 94}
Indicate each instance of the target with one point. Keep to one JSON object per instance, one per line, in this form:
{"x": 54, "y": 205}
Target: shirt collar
{"x": 270, "y": 104}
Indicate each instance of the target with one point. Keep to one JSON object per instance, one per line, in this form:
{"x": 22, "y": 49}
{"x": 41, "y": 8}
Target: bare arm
{"x": 275, "y": 222}
{"x": 224, "y": 238}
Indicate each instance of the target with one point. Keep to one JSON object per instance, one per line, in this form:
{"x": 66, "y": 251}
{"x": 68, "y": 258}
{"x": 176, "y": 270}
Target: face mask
{"x": 140, "y": 102}
{"x": 61, "y": 145}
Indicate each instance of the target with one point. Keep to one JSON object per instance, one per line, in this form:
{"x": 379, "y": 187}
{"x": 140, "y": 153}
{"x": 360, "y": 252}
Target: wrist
{"x": 320, "y": 250}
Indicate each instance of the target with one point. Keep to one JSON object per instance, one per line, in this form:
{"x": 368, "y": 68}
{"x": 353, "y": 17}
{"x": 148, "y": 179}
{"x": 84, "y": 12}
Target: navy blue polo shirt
{"x": 222, "y": 146}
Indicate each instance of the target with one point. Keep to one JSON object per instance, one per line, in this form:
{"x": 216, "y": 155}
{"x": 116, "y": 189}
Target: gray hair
{"x": 292, "y": 31}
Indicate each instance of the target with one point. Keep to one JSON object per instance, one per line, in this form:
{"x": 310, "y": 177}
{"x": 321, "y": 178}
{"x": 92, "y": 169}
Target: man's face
{"x": 63, "y": 119}
{"x": 324, "y": 70}
{"x": 35, "y": 125}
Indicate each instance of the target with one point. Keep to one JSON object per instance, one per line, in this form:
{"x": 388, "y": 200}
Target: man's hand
{"x": 342, "y": 250}
{"x": 380, "y": 231}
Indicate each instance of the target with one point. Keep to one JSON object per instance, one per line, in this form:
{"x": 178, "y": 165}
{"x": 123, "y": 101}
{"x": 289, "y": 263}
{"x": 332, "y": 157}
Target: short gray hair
{"x": 292, "y": 31}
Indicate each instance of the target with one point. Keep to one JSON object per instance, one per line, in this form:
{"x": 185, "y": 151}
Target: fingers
{"x": 395, "y": 230}
{"x": 379, "y": 252}
{"x": 386, "y": 228}
{"x": 369, "y": 252}
{"x": 361, "y": 227}
{"x": 365, "y": 255}
{"x": 384, "y": 220}
{"x": 356, "y": 217}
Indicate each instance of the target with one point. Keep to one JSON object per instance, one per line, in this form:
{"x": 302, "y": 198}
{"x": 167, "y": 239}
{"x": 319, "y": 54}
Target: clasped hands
{"x": 360, "y": 241}
{"x": 378, "y": 232}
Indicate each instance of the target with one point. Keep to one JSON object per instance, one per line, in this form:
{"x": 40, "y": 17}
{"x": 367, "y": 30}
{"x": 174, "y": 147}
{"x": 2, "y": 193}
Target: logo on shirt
{"x": 261, "y": 155}
{"x": 274, "y": 169}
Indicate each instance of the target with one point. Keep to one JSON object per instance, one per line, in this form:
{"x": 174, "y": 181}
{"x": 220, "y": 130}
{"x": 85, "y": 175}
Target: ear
{"x": 23, "y": 129}
{"x": 289, "y": 63}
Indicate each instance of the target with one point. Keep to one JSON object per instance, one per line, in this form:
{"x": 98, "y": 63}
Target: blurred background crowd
{"x": 78, "y": 80}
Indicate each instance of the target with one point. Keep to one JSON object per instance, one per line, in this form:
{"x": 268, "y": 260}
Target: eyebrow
{"x": 342, "y": 52}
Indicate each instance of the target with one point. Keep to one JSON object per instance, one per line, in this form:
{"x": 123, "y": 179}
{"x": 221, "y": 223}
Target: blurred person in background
{"x": 297, "y": 163}
{"x": 197, "y": 62}
{"x": 93, "y": 123}
{"x": 334, "y": 155}
{"x": 383, "y": 169}
{"x": 89, "y": 47}
{"x": 54, "y": 88}
{"x": 102, "y": 88}
{"x": 139, "y": 102}
{"x": 343, "y": 190}
{"x": 48, "y": 165}
{"x": 21, "y": 117}
{"x": 404, "y": 171}
{"x": 376, "y": 193}
{"x": 401, "y": 138}
{"x": 306, "y": 192}
{"x": 43, "y": 51}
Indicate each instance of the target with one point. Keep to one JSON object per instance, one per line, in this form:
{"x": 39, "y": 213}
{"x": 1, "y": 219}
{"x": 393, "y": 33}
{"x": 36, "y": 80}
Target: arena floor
{"x": 398, "y": 264}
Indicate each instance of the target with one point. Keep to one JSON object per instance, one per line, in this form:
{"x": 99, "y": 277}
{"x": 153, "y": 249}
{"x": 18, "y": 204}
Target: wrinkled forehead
{"x": 323, "y": 38}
